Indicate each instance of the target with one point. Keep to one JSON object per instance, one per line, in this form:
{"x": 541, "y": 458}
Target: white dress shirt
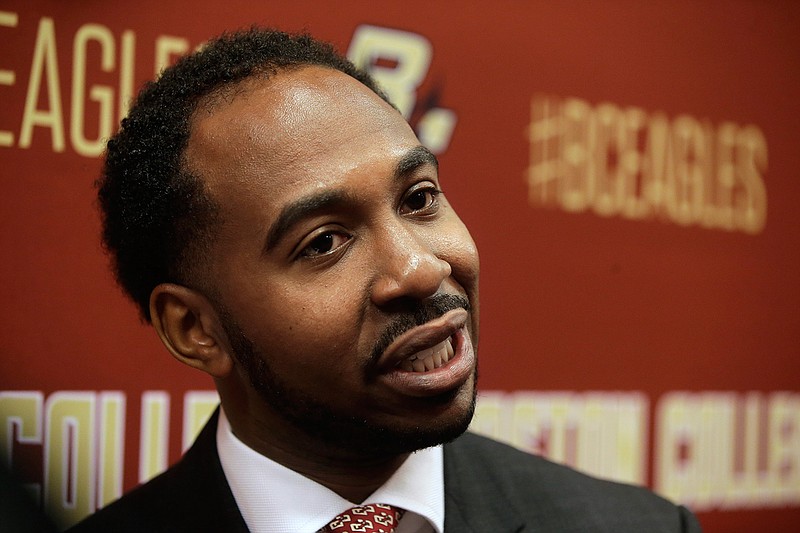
{"x": 276, "y": 499}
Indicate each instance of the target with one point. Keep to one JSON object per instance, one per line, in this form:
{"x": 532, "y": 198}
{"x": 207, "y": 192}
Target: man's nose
{"x": 407, "y": 267}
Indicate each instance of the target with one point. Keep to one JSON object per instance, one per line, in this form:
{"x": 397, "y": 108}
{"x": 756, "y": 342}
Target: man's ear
{"x": 190, "y": 329}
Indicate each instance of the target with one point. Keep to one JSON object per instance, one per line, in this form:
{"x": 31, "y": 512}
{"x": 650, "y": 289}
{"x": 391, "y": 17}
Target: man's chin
{"x": 432, "y": 421}
{"x": 421, "y": 438}
{"x": 406, "y": 436}
{"x": 343, "y": 436}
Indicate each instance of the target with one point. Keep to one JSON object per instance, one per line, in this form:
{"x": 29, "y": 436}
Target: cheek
{"x": 315, "y": 323}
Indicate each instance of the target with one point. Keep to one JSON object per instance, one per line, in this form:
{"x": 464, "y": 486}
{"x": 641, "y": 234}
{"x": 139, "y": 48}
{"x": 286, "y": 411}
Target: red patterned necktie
{"x": 375, "y": 518}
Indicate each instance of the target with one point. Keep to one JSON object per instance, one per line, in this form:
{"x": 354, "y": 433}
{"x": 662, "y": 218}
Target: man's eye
{"x": 324, "y": 243}
{"x": 420, "y": 200}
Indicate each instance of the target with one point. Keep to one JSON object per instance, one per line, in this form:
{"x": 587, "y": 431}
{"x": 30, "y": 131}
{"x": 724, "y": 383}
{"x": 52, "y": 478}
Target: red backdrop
{"x": 627, "y": 169}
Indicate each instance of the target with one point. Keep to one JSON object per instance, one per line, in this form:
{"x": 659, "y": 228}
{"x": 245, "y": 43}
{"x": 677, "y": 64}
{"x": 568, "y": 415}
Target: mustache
{"x": 431, "y": 308}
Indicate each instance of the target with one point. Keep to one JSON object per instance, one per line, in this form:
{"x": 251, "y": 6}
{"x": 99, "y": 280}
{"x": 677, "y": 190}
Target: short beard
{"x": 336, "y": 430}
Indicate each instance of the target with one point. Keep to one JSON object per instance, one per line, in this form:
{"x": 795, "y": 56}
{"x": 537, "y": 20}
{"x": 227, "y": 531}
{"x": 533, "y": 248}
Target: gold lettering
{"x": 784, "y": 449}
{"x": 657, "y": 162}
{"x": 154, "y": 434}
{"x": 544, "y": 133}
{"x": 491, "y": 415}
{"x": 102, "y": 94}
{"x": 167, "y": 47}
{"x": 44, "y": 62}
{"x": 112, "y": 447}
{"x": 126, "y": 69}
{"x": 605, "y": 152}
{"x": 69, "y": 476}
{"x": 719, "y": 212}
{"x": 684, "y": 186}
{"x": 639, "y": 166}
{"x": 197, "y": 408}
{"x": 23, "y": 410}
{"x": 630, "y": 196}
{"x": 7, "y": 77}
{"x": 575, "y": 189}
{"x": 750, "y": 207}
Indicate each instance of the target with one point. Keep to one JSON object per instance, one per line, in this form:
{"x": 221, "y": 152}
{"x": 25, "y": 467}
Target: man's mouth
{"x": 426, "y": 347}
{"x": 429, "y": 359}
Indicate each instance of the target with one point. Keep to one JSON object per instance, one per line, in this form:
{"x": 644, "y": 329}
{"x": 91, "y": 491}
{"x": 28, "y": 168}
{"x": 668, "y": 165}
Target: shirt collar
{"x": 267, "y": 493}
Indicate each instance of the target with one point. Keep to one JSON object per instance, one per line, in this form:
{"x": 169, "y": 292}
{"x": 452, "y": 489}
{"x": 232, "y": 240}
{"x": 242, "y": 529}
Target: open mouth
{"x": 429, "y": 359}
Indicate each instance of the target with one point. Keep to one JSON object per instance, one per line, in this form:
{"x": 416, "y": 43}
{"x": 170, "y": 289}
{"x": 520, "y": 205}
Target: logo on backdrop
{"x": 712, "y": 450}
{"x": 639, "y": 165}
{"x": 399, "y": 61}
{"x": 84, "y": 117}
{"x": 102, "y": 85}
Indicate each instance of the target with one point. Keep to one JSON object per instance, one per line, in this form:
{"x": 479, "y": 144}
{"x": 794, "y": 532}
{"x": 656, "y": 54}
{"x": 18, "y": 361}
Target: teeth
{"x": 429, "y": 359}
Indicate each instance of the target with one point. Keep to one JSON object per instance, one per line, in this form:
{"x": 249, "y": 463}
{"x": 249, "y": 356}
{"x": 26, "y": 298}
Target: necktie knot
{"x": 374, "y": 518}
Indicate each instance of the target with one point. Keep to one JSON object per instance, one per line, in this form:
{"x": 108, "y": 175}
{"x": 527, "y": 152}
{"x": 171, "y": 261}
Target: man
{"x": 282, "y": 228}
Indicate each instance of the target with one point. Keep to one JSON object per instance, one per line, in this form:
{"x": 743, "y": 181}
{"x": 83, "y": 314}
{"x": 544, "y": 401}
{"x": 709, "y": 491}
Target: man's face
{"x": 347, "y": 284}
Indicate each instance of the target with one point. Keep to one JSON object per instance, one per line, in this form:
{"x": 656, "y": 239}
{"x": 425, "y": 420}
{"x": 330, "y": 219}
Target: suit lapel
{"x": 213, "y": 507}
{"x": 474, "y": 503}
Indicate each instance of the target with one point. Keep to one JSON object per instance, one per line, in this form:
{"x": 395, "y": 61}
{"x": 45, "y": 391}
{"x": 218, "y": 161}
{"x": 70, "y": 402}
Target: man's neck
{"x": 349, "y": 475}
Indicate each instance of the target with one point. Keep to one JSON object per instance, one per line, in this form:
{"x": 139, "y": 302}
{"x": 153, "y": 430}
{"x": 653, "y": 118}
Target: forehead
{"x": 299, "y": 130}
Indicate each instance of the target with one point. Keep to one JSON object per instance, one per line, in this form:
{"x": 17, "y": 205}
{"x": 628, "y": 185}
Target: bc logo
{"x": 399, "y": 62}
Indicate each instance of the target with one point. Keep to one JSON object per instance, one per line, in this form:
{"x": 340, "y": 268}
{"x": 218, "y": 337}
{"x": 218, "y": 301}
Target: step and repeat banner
{"x": 629, "y": 171}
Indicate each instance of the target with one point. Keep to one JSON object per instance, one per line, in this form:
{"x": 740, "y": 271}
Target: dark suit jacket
{"x": 489, "y": 488}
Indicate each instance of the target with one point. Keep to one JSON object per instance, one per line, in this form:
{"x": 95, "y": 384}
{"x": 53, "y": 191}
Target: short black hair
{"x": 157, "y": 216}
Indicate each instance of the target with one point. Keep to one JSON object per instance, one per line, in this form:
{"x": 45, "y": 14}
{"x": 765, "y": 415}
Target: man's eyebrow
{"x": 414, "y": 158}
{"x": 298, "y": 210}
{"x": 302, "y": 208}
